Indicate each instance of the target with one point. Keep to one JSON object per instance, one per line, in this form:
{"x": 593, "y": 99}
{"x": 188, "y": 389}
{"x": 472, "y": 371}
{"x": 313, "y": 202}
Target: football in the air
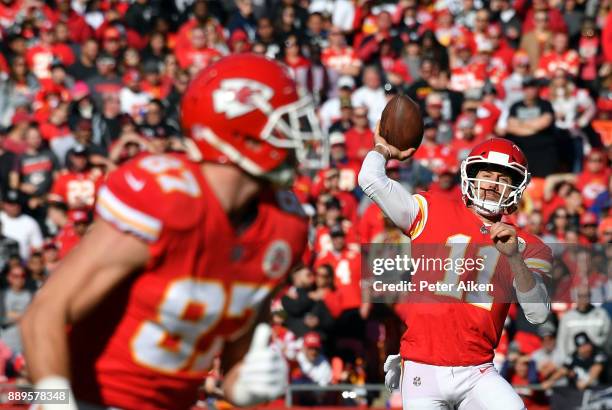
{"x": 401, "y": 123}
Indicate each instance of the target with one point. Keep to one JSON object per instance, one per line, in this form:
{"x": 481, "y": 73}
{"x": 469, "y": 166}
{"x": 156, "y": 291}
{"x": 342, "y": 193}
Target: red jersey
{"x": 457, "y": 327}
{"x": 66, "y": 239}
{"x": 339, "y": 59}
{"x": 347, "y": 280}
{"x": 200, "y": 58}
{"x": 77, "y": 189}
{"x": 435, "y": 156}
{"x": 150, "y": 343}
{"x": 552, "y": 61}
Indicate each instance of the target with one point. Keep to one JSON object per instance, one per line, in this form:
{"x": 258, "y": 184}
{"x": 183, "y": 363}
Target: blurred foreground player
{"x": 184, "y": 254}
{"x": 447, "y": 350}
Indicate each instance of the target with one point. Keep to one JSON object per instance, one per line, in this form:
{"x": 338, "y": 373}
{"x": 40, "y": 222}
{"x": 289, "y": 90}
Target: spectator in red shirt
{"x": 359, "y": 138}
{"x": 197, "y": 55}
{"x": 559, "y": 57}
{"x": 78, "y": 29}
{"x": 338, "y": 57}
{"x": 77, "y": 187}
{"x": 39, "y": 57}
{"x": 593, "y": 180}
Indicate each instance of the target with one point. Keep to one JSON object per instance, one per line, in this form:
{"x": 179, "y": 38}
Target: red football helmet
{"x": 245, "y": 109}
{"x": 495, "y": 152}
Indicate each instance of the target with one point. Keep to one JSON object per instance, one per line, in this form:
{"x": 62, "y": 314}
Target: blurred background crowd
{"x": 85, "y": 85}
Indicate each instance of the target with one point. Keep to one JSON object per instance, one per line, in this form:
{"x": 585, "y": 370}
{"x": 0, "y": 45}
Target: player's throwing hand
{"x": 504, "y": 238}
{"x": 388, "y": 150}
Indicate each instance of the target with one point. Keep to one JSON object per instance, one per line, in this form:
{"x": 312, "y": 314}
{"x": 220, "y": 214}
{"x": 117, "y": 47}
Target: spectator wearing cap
{"x": 13, "y": 303}
{"x": 83, "y": 134}
{"x": 445, "y": 182}
{"x": 107, "y": 81}
{"x": 133, "y": 99}
{"x": 370, "y": 95}
{"x": 345, "y": 303}
{"x": 18, "y": 226}
{"x": 588, "y": 227}
{"x": 432, "y": 154}
{"x": 73, "y": 232}
{"x": 465, "y": 138}
{"x": 85, "y": 67}
{"x": 50, "y": 255}
{"x": 332, "y": 109}
{"x": 531, "y": 128}
{"x": 547, "y": 358}
{"x": 585, "y": 317}
{"x": 313, "y": 365}
{"x": 153, "y": 83}
{"x": 359, "y": 138}
{"x": 345, "y": 121}
{"x": 340, "y": 182}
{"x": 296, "y": 301}
{"x": 338, "y": 57}
{"x": 507, "y": 16}
{"x": 347, "y": 169}
{"x": 594, "y": 178}
{"x": 584, "y": 367}
{"x": 77, "y": 185}
{"x": 18, "y": 90}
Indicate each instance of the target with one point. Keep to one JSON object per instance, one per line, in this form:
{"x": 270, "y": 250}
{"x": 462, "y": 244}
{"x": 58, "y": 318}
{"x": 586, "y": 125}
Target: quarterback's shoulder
{"x": 151, "y": 192}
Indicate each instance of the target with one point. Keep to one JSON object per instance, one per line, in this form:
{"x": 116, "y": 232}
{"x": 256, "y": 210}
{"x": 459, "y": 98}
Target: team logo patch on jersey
{"x": 236, "y": 96}
{"x": 416, "y": 381}
{"x": 277, "y": 259}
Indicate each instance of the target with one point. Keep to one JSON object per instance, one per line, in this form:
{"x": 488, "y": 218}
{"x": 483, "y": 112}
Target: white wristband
{"x": 380, "y": 144}
{"x": 57, "y": 383}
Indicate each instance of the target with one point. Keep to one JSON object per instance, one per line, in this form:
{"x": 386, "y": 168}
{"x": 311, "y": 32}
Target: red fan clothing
{"x": 371, "y": 223}
{"x": 150, "y": 343}
{"x": 323, "y": 243}
{"x": 347, "y": 280}
{"x": 339, "y": 59}
{"x": 461, "y": 327}
{"x": 358, "y": 143}
{"x": 201, "y": 58}
{"x": 592, "y": 184}
{"x": 552, "y": 61}
{"x": 434, "y": 156}
{"x": 77, "y": 189}
{"x": 66, "y": 239}
{"x": 39, "y": 58}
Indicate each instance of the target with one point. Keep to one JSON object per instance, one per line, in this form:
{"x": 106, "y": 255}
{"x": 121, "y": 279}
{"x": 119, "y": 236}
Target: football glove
{"x": 393, "y": 371}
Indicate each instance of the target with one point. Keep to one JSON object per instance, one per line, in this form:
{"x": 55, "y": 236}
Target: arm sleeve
{"x": 535, "y": 302}
{"x": 393, "y": 199}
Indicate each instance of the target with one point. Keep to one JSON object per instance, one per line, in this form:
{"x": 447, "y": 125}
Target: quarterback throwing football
{"x": 446, "y": 353}
{"x": 184, "y": 254}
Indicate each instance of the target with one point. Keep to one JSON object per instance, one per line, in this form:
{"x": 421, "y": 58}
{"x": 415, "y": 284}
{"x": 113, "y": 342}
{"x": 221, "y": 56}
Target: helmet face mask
{"x": 499, "y": 156}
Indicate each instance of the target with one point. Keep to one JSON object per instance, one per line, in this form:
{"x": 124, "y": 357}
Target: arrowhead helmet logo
{"x": 234, "y": 97}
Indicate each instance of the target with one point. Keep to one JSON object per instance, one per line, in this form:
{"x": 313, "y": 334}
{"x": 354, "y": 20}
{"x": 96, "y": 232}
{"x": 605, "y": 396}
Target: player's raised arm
{"x": 103, "y": 259}
{"x": 393, "y": 199}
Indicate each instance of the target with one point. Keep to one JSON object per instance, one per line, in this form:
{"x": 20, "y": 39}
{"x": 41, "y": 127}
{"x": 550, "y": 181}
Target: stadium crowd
{"x": 87, "y": 85}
